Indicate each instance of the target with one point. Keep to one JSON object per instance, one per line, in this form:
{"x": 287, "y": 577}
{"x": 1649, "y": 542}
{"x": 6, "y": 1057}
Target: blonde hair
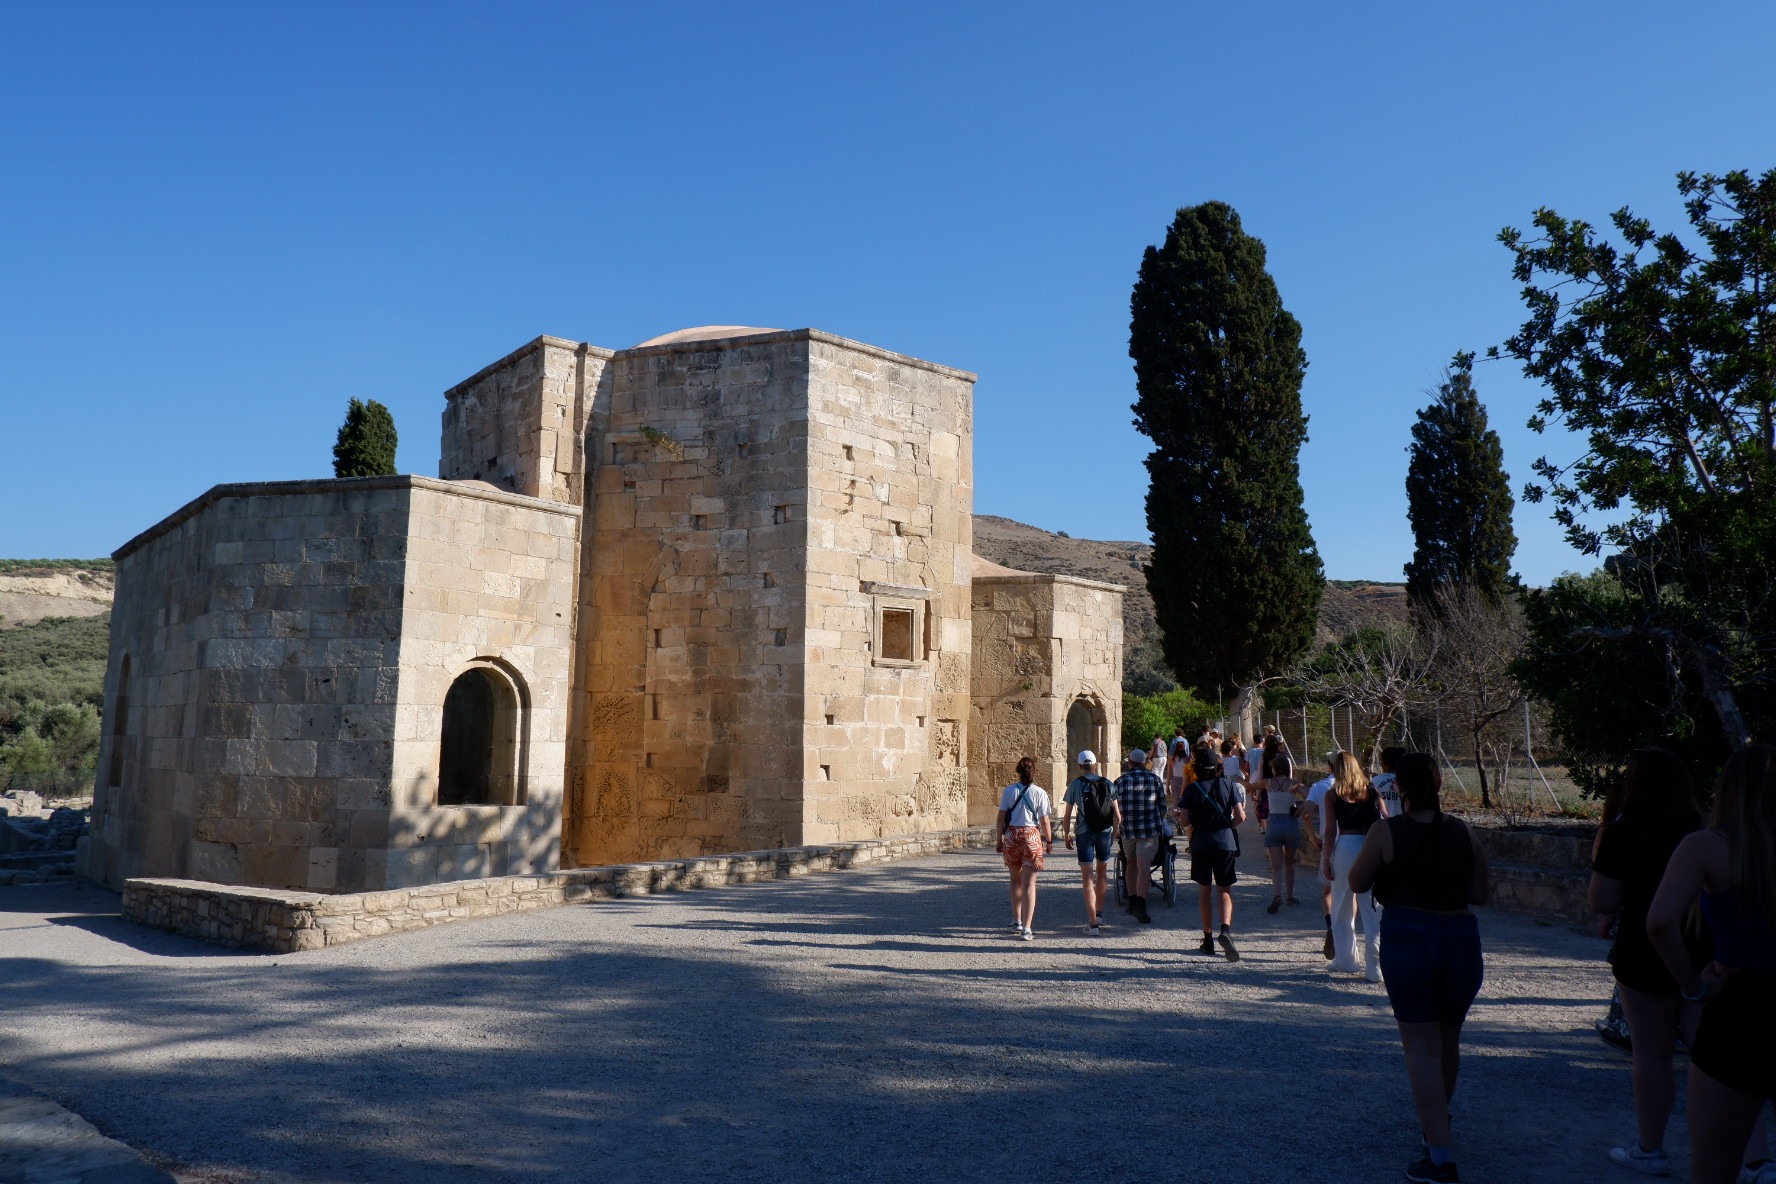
{"x": 1745, "y": 810}
{"x": 1349, "y": 781}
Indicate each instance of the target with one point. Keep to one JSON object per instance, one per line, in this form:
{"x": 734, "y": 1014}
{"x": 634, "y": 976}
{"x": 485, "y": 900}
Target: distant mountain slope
{"x": 1347, "y": 604}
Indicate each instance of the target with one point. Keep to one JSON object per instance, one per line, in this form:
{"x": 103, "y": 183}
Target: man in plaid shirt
{"x": 1141, "y": 794}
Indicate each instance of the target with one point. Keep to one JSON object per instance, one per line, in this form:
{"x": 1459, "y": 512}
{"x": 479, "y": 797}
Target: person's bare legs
{"x": 1027, "y": 913}
{"x": 1721, "y": 1121}
{"x": 1289, "y": 871}
{"x": 1089, "y": 877}
{"x": 1226, "y": 897}
{"x": 1017, "y": 895}
{"x": 1275, "y": 855}
{"x": 1103, "y": 888}
{"x": 1451, "y": 1059}
{"x": 1432, "y": 1082}
{"x": 1204, "y": 908}
{"x": 1652, "y": 1025}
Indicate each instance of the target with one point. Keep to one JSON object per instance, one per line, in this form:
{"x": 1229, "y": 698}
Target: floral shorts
{"x": 1023, "y": 844}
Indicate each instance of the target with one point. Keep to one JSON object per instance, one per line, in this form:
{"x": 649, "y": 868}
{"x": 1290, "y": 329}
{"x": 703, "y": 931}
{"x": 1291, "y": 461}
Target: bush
{"x": 52, "y": 686}
{"x": 1147, "y": 716}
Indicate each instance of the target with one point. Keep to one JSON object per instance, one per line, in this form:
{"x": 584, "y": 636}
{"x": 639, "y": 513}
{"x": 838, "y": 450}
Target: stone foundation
{"x": 284, "y": 922}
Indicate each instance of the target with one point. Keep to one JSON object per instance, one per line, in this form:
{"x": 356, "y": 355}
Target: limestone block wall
{"x": 890, "y": 531}
{"x": 488, "y": 585}
{"x": 520, "y": 423}
{"x": 269, "y": 682}
{"x": 1047, "y": 680}
{"x": 693, "y": 598}
{"x": 755, "y": 502}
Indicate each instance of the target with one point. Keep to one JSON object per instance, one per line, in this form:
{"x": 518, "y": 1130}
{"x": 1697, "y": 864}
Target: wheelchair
{"x": 1164, "y": 872}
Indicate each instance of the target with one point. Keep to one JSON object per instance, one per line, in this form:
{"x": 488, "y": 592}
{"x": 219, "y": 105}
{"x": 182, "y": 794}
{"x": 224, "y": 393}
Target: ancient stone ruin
{"x": 714, "y": 593}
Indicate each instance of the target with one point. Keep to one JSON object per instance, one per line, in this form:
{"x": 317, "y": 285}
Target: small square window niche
{"x": 897, "y": 634}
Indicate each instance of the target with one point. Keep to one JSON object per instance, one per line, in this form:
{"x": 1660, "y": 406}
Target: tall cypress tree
{"x": 1235, "y": 576}
{"x": 1458, "y": 497}
{"x": 365, "y": 446}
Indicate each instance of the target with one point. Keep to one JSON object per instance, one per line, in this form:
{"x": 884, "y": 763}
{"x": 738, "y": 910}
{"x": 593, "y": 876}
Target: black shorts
{"x": 1736, "y": 1040}
{"x": 1218, "y": 867}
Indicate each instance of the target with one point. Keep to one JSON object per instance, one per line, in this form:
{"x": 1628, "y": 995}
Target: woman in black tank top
{"x": 1426, "y": 869}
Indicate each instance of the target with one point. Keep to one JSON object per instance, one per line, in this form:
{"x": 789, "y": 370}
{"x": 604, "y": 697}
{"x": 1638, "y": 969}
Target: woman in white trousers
{"x": 1353, "y": 807}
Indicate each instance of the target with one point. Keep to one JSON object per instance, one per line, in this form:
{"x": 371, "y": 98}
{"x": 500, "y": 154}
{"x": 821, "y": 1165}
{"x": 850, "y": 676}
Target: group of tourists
{"x": 1693, "y": 908}
{"x": 1691, "y": 903}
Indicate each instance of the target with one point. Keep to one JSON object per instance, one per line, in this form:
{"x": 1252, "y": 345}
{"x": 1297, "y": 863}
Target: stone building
{"x": 712, "y": 593}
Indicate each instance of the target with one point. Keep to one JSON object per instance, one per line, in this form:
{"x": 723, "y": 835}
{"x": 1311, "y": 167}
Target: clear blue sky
{"x": 222, "y": 222}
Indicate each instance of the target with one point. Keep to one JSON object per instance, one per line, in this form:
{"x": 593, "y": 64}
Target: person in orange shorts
{"x": 1026, "y": 836}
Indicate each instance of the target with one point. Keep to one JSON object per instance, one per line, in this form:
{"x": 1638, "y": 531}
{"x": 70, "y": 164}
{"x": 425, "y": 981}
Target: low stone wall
{"x": 284, "y": 922}
{"x": 1538, "y": 872}
{"x": 1542, "y": 872}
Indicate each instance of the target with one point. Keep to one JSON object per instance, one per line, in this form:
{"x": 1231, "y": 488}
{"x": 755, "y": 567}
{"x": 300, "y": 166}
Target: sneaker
{"x": 1638, "y": 1158}
{"x": 1423, "y": 1171}
{"x": 1328, "y": 950}
{"x": 1612, "y": 1037}
{"x": 1017, "y": 927}
{"x": 1208, "y": 944}
{"x": 1226, "y": 940}
{"x": 1276, "y": 902}
{"x": 1140, "y": 910}
{"x": 1373, "y": 974}
{"x": 1029, "y": 935}
{"x": 1095, "y": 930}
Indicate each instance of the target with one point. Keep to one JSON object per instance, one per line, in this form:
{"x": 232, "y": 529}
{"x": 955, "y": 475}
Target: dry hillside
{"x": 1347, "y": 605}
{"x": 33, "y": 589}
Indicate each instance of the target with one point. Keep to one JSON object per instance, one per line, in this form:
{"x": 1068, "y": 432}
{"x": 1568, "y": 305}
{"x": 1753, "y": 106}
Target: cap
{"x": 1138, "y": 755}
{"x": 1087, "y": 757}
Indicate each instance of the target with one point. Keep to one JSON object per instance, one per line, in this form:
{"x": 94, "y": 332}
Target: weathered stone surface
{"x": 1047, "y": 680}
{"x": 289, "y": 922}
{"x": 280, "y": 655}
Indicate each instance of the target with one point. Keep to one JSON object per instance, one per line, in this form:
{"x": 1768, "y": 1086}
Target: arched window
{"x": 119, "y": 722}
{"x": 1085, "y": 729}
{"x": 479, "y": 750}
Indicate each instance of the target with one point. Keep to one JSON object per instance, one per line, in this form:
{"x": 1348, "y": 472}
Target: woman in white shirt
{"x": 1025, "y": 839}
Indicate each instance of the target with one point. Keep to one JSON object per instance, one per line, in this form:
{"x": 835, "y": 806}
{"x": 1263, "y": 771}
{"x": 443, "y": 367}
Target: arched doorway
{"x": 478, "y": 758}
{"x": 1085, "y": 729}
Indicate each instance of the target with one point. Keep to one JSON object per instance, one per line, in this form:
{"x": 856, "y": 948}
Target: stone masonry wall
{"x": 520, "y": 423}
{"x": 286, "y": 922}
{"x": 269, "y": 682}
{"x": 1042, "y": 645}
{"x": 489, "y": 583}
{"x": 890, "y": 501}
{"x": 692, "y": 598}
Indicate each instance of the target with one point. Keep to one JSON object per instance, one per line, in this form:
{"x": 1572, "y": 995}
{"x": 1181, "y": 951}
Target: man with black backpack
{"x": 1099, "y": 816}
{"x": 1213, "y": 808}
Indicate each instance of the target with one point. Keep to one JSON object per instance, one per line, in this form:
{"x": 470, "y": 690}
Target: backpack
{"x": 1097, "y": 810}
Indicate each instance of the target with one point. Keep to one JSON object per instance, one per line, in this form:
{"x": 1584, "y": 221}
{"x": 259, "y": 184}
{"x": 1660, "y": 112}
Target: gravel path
{"x": 869, "y": 1025}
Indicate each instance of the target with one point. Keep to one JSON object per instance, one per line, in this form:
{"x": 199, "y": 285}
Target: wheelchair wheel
{"x": 1122, "y": 892}
{"x": 1169, "y": 873}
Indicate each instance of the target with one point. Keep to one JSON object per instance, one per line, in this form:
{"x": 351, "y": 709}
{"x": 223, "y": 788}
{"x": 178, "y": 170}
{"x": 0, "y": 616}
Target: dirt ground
{"x": 869, "y": 1025}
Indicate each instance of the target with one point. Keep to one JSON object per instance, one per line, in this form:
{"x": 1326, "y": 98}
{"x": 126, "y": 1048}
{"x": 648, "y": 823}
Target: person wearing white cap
{"x": 1094, "y": 798}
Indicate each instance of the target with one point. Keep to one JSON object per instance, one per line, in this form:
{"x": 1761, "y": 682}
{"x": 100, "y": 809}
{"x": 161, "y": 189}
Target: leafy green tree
{"x": 1147, "y": 716}
{"x": 1662, "y": 358}
{"x": 1458, "y": 498}
{"x": 366, "y": 443}
{"x": 1235, "y": 576}
{"x": 1607, "y": 691}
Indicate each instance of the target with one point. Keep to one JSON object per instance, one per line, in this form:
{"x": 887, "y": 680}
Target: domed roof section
{"x": 705, "y": 333}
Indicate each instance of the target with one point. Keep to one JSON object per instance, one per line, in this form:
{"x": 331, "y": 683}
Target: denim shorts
{"x": 1094, "y": 845}
{"x": 1431, "y": 963}
{"x": 1282, "y": 831}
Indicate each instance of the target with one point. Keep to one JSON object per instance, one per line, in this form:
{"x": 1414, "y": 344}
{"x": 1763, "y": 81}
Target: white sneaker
{"x": 1017, "y": 927}
{"x": 1095, "y": 930}
{"x": 1639, "y": 1159}
{"x": 1373, "y": 974}
{"x": 1029, "y": 935}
